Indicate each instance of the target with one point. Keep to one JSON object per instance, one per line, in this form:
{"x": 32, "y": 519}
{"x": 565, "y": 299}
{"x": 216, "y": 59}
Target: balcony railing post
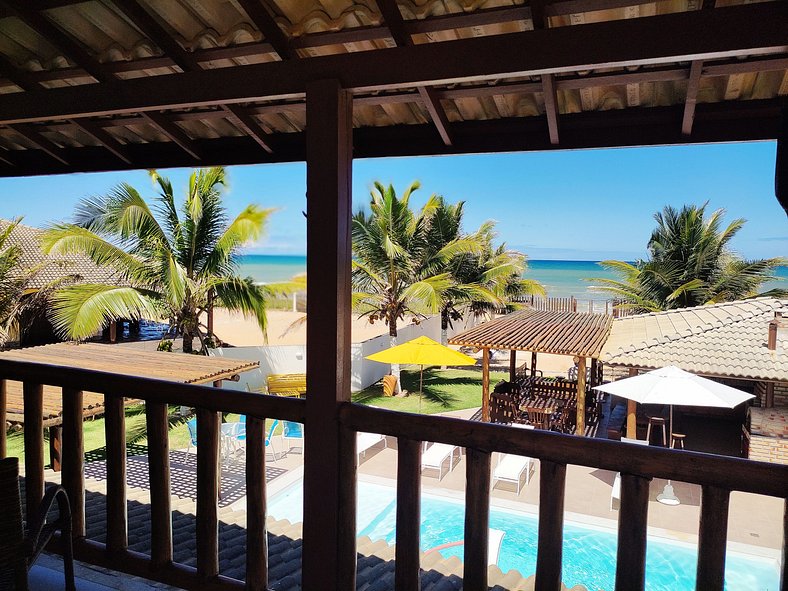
{"x": 208, "y": 429}
{"x": 117, "y": 511}
{"x": 407, "y": 558}
{"x": 712, "y": 537}
{"x": 73, "y": 476}
{"x": 632, "y": 528}
{"x": 329, "y": 557}
{"x": 159, "y": 477}
{"x": 33, "y": 395}
{"x": 552, "y": 480}
{"x": 3, "y": 410}
{"x": 256, "y": 531}
{"x": 477, "y": 519}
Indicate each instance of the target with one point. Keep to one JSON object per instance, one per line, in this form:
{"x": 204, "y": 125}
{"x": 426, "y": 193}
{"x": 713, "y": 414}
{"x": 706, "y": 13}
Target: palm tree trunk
{"x": 188, "y": 340}
{"x": 393, "y": 343}
{"x": 444, "y": 327}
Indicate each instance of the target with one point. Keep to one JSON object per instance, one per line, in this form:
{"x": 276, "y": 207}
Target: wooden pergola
{"x": 560, "y": 333}
{"x": 124, "y": 361}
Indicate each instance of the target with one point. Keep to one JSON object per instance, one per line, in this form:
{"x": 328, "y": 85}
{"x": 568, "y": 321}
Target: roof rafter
{"x": 693, "y": 85}
{"x": 549, "y": 90}
{"x": 752, "y": 29}
{"x": 104, "y": 138}
{"x": 250, "y": 126}
{"x": 175, "y": 133}
{"x": 263, "y": 20}
{"x": 57, "y": 37}
{"x": 151, "y": 27}
{"x": 18, "y": 76}
{"x": 35, "y": 138}
{"x": 396, "y": 24}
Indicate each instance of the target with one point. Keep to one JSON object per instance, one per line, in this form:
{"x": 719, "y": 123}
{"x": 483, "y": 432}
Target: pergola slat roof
{"x": 187, "y": 369}
{"x": 561, "y": 333}
{"x": 99, "y": 85}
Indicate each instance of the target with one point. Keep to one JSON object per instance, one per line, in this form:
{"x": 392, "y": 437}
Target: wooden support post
{"x": 3, "y": 410}
{"x": 784, "y": 561}
{"x": 55, "y": 447}
{"x": 533, "y": 364}
{"x": 552, "y": 480}
{"x": 632, "y": 412}
{"x": 159, "y": 478}
{"x": 113, "y": 331}
{"x": 115, "y": 434}
{"x": 33, "y": 396}
{"x": 486, "y": 385}
{"x": 408, "y": 555}
{"x": 769, "y": 402}
{"x": 632, "y": 524}
{"x": 512, "y": 365}
{"x": 712, "y": 536}
{"x": 329, "y": 546}
{"x": 256, "y": 530}
{"x": 594, "y": 372}
{"x": 581, "y": 397}
{"x": 73, "y": 477}
{"x": 477, "y": 519}
{"x": 208, "y": 429}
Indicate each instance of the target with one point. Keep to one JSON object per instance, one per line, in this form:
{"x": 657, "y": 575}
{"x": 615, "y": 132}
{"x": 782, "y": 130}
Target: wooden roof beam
{"x": 549, "y": 90}
{"x": 752, "y": 29}
{"x": 151, "y": 27}
{"x": 693, "y": 85}
{"x": 250, "y": 125}
{"x": 396, "y": 24}
{"x": 18, "y": 76}
{"x": 57, "y": 37}
{"x": 272, "y": 32}
{"x": 35, "y": 138}
{"x": 175, "y": 133}
{"x": 104, "y": 138}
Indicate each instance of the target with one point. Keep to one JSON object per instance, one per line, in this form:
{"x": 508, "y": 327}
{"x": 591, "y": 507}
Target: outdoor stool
{"x": 677, "y": 439}
{"x": 657, "y": 422}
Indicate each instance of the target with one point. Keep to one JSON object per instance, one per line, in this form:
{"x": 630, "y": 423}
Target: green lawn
{"x": 444, "y": 390}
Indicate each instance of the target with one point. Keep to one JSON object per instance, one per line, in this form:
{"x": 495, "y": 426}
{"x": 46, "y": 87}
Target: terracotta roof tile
{"x": 732, "y": 345}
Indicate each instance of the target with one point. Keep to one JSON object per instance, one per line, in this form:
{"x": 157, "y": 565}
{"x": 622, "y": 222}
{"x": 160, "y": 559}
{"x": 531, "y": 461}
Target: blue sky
{"x": 578, "y": 205}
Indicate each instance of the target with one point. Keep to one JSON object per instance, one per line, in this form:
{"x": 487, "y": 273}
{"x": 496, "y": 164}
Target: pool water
{"x": 589, "y": 554}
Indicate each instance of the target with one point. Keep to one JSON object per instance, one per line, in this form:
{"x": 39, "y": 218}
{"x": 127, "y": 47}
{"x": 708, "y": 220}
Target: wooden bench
{"x": 287, "y": 384}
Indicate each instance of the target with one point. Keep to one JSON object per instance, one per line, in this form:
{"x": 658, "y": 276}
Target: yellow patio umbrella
{"x": 422, "y": 351}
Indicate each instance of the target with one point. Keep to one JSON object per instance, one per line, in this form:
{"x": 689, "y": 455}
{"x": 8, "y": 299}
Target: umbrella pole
{"x": 421, "y": 385}
{"x": 670, "y": 435}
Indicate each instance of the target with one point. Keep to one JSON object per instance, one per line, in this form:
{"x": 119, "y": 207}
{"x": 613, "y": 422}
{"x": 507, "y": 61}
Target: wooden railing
{"x": 209, "y": 403}
{"x": 717, "y": 475}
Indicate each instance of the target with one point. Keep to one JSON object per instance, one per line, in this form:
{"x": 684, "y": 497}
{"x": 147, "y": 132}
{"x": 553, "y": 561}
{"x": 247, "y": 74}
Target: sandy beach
{"x": 238, "y": 331}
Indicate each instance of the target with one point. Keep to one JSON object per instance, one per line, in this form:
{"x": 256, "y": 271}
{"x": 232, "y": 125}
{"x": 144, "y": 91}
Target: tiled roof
{"x": 53, "y": 267}
{"x": 727, "y": 340}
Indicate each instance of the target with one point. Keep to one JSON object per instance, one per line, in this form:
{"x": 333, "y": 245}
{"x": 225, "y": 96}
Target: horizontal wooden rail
{"x": 153, "y": 390}
{"x": 652, "y": 462}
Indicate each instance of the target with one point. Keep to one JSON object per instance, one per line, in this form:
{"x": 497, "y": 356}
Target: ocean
{"x": 560, "y": 278}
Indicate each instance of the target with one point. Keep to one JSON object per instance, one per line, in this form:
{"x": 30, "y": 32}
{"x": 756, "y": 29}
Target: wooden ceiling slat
{"x": 175, "y": 133}
{"x": 33, "y": 136}
{"x": 693, "y": 85}
{"x": 104, "y": 138}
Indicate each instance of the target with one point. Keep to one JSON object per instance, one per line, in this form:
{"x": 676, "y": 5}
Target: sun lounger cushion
{"x": 436, "y": 455}
{"x": 365, "y": 441}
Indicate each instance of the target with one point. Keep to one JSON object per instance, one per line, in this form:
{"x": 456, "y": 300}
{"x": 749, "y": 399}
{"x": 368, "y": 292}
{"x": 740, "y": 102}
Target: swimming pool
{"x": 589, "y": 556}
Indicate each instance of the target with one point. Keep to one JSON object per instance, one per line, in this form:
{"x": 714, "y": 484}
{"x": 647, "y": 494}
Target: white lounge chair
{"x": 494, "y": 539}
{"x": 510, "y": 468}
{"x": 436, "y": 455}
{"x": 365, "y": 441}
{"x": 615, "y": 494}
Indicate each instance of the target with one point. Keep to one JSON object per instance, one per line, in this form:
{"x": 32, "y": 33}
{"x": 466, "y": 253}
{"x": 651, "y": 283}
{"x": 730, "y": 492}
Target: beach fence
{"x": 573, "y": 304}
{"x": 278, "y": 359}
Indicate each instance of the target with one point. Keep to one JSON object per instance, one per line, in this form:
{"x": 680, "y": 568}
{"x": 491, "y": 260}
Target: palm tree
{"x": 399, "y": 267}
{"x": 488, "y": 282}
{"x": 171, "y": 262}
{"x": 690, "y": 264}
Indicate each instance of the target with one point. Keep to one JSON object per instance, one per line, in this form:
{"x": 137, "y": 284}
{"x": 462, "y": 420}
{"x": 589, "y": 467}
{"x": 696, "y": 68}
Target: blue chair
{"x": 192, "y": 426}
{"x": 269, "y": 439}
{"x": 292, "y": 431}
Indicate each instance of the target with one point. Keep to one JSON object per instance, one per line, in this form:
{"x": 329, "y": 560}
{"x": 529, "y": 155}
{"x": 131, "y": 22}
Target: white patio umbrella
{"x": 673, "y": 386}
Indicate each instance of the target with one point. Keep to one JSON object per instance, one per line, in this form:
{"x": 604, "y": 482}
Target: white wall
{"x": 292, "y": 358}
